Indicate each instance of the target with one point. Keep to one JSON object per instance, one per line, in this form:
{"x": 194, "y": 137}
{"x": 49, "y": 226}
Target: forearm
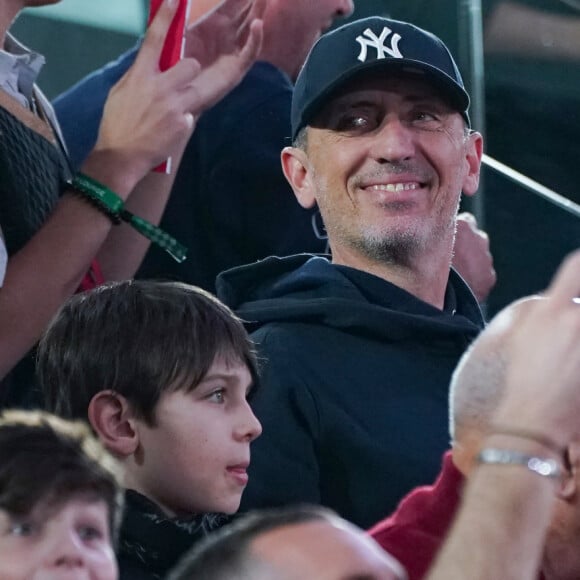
{"x": 500, "y": 530}
{"x": 124, "y": 249}
{"x": 134, "y": 136}
{"x": 44, "y": 273}
{"x": 48, "y": 269}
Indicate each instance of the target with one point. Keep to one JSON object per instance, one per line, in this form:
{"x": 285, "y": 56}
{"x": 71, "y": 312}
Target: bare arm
{"x": 49, "y": 267}
{"x": 500, "y": 530}
{"x": 226, "y": 45}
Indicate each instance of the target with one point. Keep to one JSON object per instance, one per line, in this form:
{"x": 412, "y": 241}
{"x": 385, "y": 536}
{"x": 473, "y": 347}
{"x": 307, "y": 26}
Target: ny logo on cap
{"x": 378, "y": 43}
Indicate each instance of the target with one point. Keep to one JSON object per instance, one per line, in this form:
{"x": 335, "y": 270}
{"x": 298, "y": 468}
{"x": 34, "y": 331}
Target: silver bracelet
{"x": 545, "y": 467}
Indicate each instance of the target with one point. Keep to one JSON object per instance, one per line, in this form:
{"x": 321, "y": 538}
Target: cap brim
{"x": 456, "y": 96}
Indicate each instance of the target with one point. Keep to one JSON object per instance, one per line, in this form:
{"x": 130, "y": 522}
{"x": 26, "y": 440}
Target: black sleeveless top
{"x": 33, "y": 169}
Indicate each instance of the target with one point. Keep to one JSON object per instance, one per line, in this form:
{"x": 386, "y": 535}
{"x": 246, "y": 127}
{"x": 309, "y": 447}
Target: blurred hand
{"x": 149, "y": 113}
{"x": 472, "y": 258}
{"x": 543, "y": 379}
{"x": 226, "y": 43}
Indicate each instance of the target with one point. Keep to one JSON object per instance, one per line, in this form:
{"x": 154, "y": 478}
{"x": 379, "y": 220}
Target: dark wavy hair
{"x": 138, "y": 338}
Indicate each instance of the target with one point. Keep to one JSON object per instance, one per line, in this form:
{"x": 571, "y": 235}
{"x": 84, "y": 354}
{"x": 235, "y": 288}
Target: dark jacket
{"x": 353, "y": 400}
{"x": 150, "y": 543}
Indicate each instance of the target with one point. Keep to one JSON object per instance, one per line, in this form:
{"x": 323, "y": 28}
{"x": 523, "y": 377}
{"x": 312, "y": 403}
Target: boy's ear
{"x": 111, "y": 417}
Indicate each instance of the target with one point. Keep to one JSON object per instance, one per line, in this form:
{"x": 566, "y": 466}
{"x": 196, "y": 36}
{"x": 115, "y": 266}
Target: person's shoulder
{"x": 264, "y": 74}
{"x": 281, "y": 338}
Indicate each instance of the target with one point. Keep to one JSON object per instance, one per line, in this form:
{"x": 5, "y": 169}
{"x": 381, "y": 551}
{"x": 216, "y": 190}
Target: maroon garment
{"x": 414, "y": 532}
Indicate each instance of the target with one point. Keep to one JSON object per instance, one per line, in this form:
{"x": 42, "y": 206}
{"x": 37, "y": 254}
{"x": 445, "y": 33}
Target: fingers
{"x": 224, "y": 74}
{"x": 472, "y": 257}
{"x": 190, "y": 122}
{"x": 150, "y": 51}
{"x": 255, "y": 12}
{"x": 467, "y": 217}
{"x": 182, "y": 74}
{"x": 233, "y": 11}
{"x": 258, "y": 9}
{"x": 253, "y": 44}
{"x": 467, "y": 220}
{"x": 235, "y": 8}
{"x": 566, "y": 283}
{"x": 242, "y": 26}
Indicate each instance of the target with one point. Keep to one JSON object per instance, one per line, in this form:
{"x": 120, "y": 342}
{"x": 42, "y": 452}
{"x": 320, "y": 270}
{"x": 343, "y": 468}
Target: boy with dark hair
{"x": 163, "y": 371}
{"x": 60, "y": 499}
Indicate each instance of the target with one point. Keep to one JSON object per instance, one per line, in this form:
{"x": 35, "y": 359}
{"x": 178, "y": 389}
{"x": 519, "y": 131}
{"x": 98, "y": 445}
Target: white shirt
{"x": 19, "y": 69}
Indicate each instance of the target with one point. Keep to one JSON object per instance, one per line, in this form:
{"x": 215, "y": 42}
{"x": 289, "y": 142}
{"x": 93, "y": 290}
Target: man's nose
{"x": 394, "y": 142}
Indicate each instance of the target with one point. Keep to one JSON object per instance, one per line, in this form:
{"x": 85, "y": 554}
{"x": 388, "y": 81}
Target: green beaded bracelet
{"x": 109, "y": 203}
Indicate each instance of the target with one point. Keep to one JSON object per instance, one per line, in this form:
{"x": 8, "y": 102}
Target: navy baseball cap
{"x": 374, "y": 44}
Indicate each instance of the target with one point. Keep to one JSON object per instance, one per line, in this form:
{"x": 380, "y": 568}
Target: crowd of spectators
{"x": 305, "y": 363}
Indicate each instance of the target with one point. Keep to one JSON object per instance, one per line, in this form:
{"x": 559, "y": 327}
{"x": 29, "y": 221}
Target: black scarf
{"x": 151, "y": 543}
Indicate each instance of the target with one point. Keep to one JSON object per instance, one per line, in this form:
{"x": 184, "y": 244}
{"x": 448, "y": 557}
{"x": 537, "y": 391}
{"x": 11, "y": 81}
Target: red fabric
{"x": 93, "y": 278}
{"x": 414, "y": 532}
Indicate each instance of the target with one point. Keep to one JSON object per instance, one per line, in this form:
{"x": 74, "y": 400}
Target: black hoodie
{"x": 353, "y": 401}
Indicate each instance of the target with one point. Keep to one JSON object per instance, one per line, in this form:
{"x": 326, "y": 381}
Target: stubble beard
{"x": 400, "y": 246}
{"x": 396, "y": 249}
{"x": 403, "y": 244}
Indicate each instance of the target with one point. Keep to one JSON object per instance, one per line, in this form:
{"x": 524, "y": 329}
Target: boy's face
{"x": 195, "y": 458}
{"x": 64, "y": 542}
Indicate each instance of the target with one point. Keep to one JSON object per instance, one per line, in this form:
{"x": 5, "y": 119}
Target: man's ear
{"x": 298, "y": 172}
{"x": 569, "y": 488}
{"x": 112, "y": 418}
{"x": 473, "y": 156}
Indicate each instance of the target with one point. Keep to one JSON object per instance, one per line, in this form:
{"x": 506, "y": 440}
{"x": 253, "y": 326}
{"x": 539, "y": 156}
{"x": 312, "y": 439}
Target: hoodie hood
{"x": 309, "y": 289}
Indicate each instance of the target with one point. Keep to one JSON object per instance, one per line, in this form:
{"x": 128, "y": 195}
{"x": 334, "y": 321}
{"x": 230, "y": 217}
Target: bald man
{"x": 416, "y": 530}
{"x": 289, "y": 544}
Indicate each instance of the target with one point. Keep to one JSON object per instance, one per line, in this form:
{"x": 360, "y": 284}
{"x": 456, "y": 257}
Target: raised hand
{"x": 226, "y": 44}
{"x": 543, "y": 389}
{"x": 472, "y": 258}
{"x": 150, "y": 113}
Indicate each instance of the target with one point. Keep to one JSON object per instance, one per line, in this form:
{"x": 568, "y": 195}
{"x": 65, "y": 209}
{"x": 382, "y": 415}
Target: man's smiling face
{"x": 386, "y": 160}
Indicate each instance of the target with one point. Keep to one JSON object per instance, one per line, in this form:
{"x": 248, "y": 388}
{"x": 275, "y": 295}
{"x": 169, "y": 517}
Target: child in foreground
{"x": 163, "y": 372}
{"x": 60, "y": 500}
